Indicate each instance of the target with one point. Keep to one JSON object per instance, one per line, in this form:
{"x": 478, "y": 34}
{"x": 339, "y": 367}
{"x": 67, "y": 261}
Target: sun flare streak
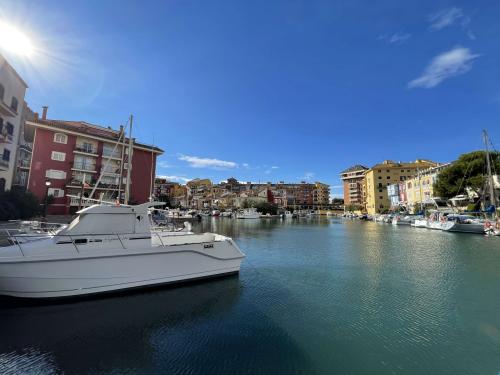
{"x": 14, "y": 41}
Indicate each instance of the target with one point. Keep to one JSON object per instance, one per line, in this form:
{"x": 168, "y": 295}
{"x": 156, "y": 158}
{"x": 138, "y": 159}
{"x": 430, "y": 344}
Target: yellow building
{"x": 420, "y": 188}
{"x": 389, "y": 172}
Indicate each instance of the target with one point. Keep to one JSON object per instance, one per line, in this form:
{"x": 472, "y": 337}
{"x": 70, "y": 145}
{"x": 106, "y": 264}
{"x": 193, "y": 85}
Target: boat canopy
{"x": 100, "y": 219}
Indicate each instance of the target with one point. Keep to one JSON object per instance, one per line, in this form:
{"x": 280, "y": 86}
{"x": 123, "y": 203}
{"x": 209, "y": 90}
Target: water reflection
{"x": 59, "y": 335}
{"x": 314, "y": 295}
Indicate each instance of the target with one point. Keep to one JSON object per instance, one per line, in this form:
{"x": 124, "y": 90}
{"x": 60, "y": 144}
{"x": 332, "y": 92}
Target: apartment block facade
{"x": 12, "y": 91}
{"x": 74, "y": 156}
{"x": 353, "y": 181}
{"x": 389, "y": 172}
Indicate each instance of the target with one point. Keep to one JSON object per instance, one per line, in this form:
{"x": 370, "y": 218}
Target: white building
{"x": 12, "y": 91}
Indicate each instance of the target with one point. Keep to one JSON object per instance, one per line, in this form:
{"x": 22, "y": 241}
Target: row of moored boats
{"x": 438, "y": 220}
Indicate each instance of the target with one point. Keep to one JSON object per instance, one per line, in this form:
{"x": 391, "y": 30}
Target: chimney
{"x": 36, "y": 116}
{"x": 44, "y": 112}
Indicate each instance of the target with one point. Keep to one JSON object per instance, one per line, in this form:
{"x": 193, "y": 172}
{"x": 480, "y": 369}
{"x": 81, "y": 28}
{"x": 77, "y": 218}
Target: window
{"x": 6, "y": 155}
{"x": 55, "y": 174}
{"x": 56, "y": 193}
{"x": 88, "y": 147}
{"x": 13, "y": 104}
{"x": 379, "y": 190}
{"x": 60, "y": 138}
{"x": 379, "y": 184}
{"x": 10, "y": 128}
{"x": 388, "y": 177}
{"x": 2, "y": 92}
{"x": 1, "y": 125}
{"x": 380, "y": 197}
{"x": 59, "y": 156}
{"x": 379, "y": 177}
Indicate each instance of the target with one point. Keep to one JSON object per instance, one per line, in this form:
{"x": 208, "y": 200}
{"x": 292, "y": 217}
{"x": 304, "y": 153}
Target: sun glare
{"x": 13, "y": 40}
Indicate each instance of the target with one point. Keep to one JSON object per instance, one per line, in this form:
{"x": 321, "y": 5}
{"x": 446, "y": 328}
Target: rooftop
{"x": 90, "y": 129}
{"x": 357, "y": 167}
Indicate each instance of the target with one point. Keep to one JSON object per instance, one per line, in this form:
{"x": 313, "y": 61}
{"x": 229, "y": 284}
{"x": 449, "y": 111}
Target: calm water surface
{"x": 313, "y": 296}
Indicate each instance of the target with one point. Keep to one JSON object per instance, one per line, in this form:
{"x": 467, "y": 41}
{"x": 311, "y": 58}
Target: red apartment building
{"x": 69, "y": 156}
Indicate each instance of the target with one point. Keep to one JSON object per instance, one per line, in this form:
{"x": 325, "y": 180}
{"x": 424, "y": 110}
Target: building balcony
{"x": 84, "y": 167}
{"x": 85, "y": 149}
{"x": 111, "y": 171}
{"x": 111, "y": 155}
{"x": 6, "y": 110}
{"x": 23, "y": 163}
{"x": 77, "y": 184}
{"x": 6, "y": 138}
{"x": 28, "y": 147}
{"x": 4, "y": 165}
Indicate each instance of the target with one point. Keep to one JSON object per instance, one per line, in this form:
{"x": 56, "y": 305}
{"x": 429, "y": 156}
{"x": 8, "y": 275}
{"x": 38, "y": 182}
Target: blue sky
{"x": 271, "y": 90}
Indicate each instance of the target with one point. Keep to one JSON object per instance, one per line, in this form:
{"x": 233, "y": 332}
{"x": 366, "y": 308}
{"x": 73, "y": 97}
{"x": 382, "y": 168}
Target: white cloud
{"x": 448, "y": 64}
{"x": 444, "y": 18}
{"x": 176, "y": 178}
{"x": 397, "y": 38}
{"x": 246, "y": 165}
{"x": 270, "y": 169}
{"x": 163, "y": 164}
{"x": 197, "y": 162}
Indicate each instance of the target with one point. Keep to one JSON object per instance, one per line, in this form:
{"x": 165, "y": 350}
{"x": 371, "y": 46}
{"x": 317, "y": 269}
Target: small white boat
{"x": 288, "y": 215}
{"x": 109, "y": 248}
{"x": 248, "y": 213}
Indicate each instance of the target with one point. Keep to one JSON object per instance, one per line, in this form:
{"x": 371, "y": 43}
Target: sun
{"x": 14, "y": 41}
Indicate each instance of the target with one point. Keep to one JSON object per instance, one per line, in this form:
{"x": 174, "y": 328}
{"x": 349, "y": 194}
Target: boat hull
{"x": 477, "y": 228}
{"x": 86, "y": 274}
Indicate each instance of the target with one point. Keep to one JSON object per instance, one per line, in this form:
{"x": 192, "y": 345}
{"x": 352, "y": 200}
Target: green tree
{"x": 267, "y": 208}
{"x": 468, "y": 171}
{"x": 18, "y": 204}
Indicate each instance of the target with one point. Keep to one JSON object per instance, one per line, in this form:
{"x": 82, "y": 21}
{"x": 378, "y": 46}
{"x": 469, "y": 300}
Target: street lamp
{"x": 47, "y": 184}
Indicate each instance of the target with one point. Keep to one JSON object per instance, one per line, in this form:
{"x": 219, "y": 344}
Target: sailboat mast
{"x": 129, "y": 162}
{"x": 488, "y": 169}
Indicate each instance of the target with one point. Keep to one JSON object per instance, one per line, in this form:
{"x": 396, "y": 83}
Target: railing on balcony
{"x": 26, "y": 147}
{"x": 87, "y": 148}
{"x": 4, "y": 163}
{"x": 110, "y": 154}
{"x": 111, "y": 170}
{"x": 23, "y": 163}
{"x": 84, "y": 167}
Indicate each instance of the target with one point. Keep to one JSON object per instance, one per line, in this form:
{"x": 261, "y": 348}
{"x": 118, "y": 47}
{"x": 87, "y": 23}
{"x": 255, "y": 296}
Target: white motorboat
{"x": 288, "y": 215}
{"x": 402, "y": 220}
{"x": 248, "y": 213}
{"x": 109, "y": 248}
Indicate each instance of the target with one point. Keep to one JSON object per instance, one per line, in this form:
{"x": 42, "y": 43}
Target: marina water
{"x": 313, "y": 296}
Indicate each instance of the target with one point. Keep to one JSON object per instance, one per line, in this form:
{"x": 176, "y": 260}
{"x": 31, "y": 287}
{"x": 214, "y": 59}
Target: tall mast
{"x": 488, "y": 169}
{"x": 129, "y": 161}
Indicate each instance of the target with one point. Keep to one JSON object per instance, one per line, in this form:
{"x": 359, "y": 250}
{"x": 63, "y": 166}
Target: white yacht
{"x": 248, "y": 213}
{"x": 109, "y": 248}
{"x": 288, "y": 215}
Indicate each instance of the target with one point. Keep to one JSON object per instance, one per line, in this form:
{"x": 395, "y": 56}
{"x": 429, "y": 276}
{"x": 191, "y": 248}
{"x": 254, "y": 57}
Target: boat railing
{"x": 78, "y": 240}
